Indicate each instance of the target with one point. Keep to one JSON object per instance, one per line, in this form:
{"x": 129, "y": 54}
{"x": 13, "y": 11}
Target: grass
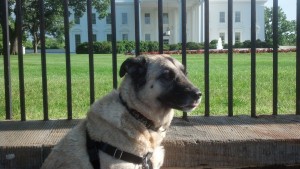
{"x": 56, "y": 77}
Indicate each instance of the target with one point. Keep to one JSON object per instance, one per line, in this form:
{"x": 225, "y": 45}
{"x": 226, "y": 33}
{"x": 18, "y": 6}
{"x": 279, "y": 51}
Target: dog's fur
{"x": 152, "y": 85}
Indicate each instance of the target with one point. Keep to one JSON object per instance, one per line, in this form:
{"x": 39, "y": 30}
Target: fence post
{"x": 160, "y": 26}
{"x": 253, "y": 58}
{"x": 91, "y": 51}
{"x": 137, "y": 26}
{"x": 68, "y": 59}
{"x": 114, "y": 42}
{"x": 43, "y": 59}
{"x": 298, "y": 61}
{"x": 19, "y": 31}
{"x": 6, "y": 61}
{"x": 275, "y": 57}
{"x": 183, "y": 40}
{"x": 230, "y": 55}
{"x": 206, "y": 57}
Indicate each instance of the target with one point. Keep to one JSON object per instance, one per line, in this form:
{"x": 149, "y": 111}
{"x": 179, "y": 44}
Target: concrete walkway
{"x": 203, "y": 142}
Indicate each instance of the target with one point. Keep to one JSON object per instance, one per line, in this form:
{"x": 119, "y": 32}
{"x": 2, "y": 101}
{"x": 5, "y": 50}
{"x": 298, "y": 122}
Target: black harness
{"x": 93, "y": 146}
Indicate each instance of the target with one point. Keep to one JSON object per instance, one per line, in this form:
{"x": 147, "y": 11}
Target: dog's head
{"x": 160, "y": 81}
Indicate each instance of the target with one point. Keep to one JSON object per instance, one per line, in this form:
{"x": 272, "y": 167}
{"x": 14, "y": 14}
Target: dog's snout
{"x": 196, "y": 94}
{"x": 199, "y": 94}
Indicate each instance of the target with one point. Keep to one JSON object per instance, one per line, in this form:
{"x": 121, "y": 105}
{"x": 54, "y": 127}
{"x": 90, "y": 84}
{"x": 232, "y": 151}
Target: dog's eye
{"x": 167, "y": 75}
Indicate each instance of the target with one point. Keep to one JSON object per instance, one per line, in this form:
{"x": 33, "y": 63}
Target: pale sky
{"x": 288, "y": 6}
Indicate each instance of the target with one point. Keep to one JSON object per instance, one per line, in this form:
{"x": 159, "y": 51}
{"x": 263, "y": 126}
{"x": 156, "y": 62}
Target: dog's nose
{"x": 196, "y": 95}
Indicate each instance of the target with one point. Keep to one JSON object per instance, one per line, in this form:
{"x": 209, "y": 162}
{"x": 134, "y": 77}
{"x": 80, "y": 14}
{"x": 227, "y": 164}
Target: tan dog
{"x": 130, "y": 122}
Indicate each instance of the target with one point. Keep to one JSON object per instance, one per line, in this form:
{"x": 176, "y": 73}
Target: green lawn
{"x": 103, "y": 83}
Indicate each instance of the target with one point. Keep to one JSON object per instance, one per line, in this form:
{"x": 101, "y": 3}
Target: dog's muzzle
{"x": 181, "y": 97}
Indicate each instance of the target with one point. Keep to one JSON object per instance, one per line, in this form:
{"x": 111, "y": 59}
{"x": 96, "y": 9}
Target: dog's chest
{"x": 151, "y": 139}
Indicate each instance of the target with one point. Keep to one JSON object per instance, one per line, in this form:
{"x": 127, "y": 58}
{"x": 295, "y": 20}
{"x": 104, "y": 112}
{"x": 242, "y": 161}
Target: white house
{"x": 172, "y": 21}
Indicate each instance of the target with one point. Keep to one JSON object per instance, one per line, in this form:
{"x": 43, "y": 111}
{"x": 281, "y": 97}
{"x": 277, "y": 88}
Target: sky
{"x": 288, "y": 6}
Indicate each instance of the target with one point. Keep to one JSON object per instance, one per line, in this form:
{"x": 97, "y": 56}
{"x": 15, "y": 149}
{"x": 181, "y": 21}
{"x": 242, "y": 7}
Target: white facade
{"x": 172, "y": 21}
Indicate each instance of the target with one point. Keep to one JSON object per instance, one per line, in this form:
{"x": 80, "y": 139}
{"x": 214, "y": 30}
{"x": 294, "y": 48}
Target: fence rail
{"x": 136, "y": 3}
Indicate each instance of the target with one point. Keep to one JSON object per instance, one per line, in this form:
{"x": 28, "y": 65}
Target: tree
{"x": 12, "y": 25}
{"x": 286, "y": 29}
{"x": 53, "y": 12}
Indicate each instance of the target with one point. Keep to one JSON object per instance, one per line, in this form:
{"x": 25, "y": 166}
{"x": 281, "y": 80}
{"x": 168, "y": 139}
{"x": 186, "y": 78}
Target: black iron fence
{"x": 6, "y": 53}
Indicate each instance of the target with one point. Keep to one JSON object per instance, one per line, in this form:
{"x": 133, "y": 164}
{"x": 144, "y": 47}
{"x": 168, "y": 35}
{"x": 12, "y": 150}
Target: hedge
{"x": 151, "y": 46}
{"x": 98, "y": 48}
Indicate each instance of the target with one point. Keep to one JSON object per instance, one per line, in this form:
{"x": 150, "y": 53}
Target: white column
{"x": 195, "y": 24}
{"x": 141, "y": 33}
{"x": 175, "y": 29}
{"x": 180, "y": 21}
{"x": 198, "y": 15}
{"x": 201, "y": 19}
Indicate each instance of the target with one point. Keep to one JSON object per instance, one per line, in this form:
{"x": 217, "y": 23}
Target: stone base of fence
{"x": 201, "y": 142}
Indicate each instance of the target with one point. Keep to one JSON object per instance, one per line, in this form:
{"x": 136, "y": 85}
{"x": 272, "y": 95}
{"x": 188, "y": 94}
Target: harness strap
{"x": 93, "y": 152}
{"x": 93, "y": 148}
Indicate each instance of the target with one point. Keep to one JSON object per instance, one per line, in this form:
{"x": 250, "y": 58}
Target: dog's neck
{"x": 138, "y": 116}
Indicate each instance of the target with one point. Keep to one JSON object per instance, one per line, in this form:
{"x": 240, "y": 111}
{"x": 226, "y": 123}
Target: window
{"x": 166, "y": 41}
{"x": 108, "y": 37}
{"x": 94, "y": 37}
{"x": 147, "y": 18}
{"x": 237, "y": 16}
{"x": 222, "y": 36}
{"x": 108, "y": 18}
{"x": 147, "y": 37}
{"x": 125, "y": 36}
{"x": 76, "y": 19}
{"x": 124, "y": 18}
{"x": 237, "y": 37}
{"x": 222, "y": 17}
{"x": 93, "y": 18}
{"x": 77, "y": 39}
{"x": 165, "y": 18}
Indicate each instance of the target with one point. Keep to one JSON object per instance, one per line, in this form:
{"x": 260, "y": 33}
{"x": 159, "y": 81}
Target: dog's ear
{"x": 133, "y": 66}
{"x": 136, "y": 68}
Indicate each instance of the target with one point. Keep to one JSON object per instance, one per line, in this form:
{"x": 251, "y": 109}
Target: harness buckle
{"x": 118, "y": 154}
{"x": 147, "y": 164}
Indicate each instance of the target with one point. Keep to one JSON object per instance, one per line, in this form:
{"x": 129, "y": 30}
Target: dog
{"x": 124, "y": 129}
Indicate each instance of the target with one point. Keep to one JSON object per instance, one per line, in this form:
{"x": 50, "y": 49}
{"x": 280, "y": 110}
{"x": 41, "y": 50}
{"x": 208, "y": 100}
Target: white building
{"x": 172, "y": 21}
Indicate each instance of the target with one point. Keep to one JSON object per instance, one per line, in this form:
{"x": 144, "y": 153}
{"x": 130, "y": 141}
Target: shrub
{"x": 125, "y": 46}
{"x": 213, "y": 44}
{"x": 166, "y": 47}
{"x": 143, "y": 46}
{"x": 152, "y": 46}
{"x": 174, "y": 47}
{"x": 98, "y": 48}
{"x": 149, "y": 46}
{"x": 247, "y": 44}
{"x": 194, "y": 46}
{"x": 82, "y": 48}
{"x": 238, "y": 45}
{"x": 121, "y": 47}
{"x": 130, "y": 45}
{"x": 225, "y": 46}
{"x": 201, "y": 45}
{"x": 102, "y": 47}
{"x": 262, "y": 44}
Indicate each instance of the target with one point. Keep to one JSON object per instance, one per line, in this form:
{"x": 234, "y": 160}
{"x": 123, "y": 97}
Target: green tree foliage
{"x": 286, "y": 29}
{"x": 53, "y": 17}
